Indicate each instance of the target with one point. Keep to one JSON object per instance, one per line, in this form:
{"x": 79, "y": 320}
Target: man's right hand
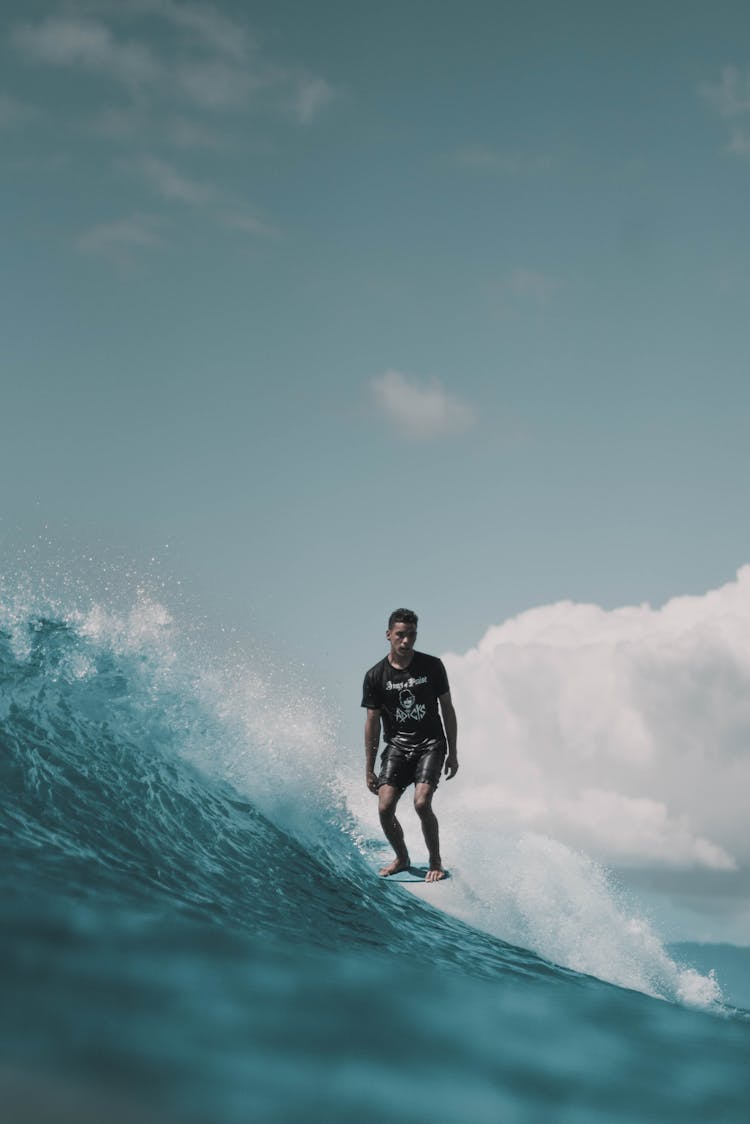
{"x": 371, "y": 780}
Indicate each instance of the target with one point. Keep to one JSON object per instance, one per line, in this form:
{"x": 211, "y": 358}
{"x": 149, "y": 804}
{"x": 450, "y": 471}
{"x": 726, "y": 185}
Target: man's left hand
{"x": 451, "y": 766}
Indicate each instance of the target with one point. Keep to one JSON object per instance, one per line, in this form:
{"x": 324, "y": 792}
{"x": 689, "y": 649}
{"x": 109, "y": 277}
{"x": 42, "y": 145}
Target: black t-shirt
{"x": 407, "y": 699}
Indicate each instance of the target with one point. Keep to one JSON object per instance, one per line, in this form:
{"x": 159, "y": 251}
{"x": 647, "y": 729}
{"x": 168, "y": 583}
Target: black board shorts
{"x": 401, "y": 767}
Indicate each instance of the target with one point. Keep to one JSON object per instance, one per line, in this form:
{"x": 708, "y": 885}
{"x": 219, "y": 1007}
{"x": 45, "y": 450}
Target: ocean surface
{"x": 191, "y": 929}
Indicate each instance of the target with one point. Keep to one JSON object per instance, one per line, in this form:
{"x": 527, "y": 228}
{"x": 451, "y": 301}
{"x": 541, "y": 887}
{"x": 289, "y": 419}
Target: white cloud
{"x": 417, "y": 408}
{"x": 483, "y": 159}
{"x": 134, "y": 123}
{"x": 115, "y": 241}
{"x": 14, "y": 112}
{"x": 202, "y": 25}
{"x": 623, "y": 732}
{"x": 73, "y": 41}
{"x": 117, "y": 123}
{"x": 731, "y": 95}
{"x": 211, "y": 26}
{"x": 215, "y": 83}
{"x": 309, "y": 96}
{"x": 208, "y": 61}
{"x": 524, "y": 287}
{"x": 739, "y": 143}
{"x": 248, "y": 223}
{"x": 171, "y": 184}
{"x": 184, "y": 133}
{"x": 635, "y": 829}
{"x": 181, "y": 69}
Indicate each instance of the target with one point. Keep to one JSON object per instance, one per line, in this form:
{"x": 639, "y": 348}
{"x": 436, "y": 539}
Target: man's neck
{"x": 400, "y": 662}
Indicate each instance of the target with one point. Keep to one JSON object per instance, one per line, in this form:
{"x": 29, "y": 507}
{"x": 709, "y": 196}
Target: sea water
{"x": 191, "y": 929}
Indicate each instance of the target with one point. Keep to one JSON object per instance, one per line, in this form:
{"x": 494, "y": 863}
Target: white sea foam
{"x": 535, "y": 892}
{"x": 251, "y": 721}
{"x": 594, "y": 739}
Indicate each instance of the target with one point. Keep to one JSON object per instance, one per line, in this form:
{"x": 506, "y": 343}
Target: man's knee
{"x": 423, "y": 800}
{"x": 388, "y": 798}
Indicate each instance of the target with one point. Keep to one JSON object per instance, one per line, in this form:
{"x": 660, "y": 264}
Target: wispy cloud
{"x": 178, "y": 77}
{"x": 739, "y": 143}
{"x": 73, "y": 41}
{"x": 309, "y": 96}
{"x": 480, "y": 158}
{"x": 214, "y": 29}
{"x": 133, "y": 123}
{"x": 14, "y": 112}
{"x": 116, "y": 241}
{"x": 182, "y": 132}
{"x": 419, "y": 408}
{"x": 217, "y": 84}
{"x": 246, "y": 223}
{"x": 210, "y": 61}
{"x": 170, "y": 184}
{"x": 523, "y": 288}
{"x": 173, "y": 186}
{"x": 730, "y": 98}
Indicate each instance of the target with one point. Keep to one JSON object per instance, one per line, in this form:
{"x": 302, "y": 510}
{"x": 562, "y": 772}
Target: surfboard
{"x": 413, "y": 874}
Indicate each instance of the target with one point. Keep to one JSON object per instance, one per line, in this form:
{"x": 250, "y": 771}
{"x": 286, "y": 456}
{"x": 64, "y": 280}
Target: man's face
{"x": 402, "y": 638}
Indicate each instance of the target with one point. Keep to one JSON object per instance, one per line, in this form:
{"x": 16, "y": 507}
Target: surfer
{"x": 408, "y": 691}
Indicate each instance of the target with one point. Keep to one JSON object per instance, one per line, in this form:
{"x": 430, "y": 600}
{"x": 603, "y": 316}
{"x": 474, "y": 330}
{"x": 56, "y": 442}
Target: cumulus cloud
{"x": 623, "y": 732}
{"x": 421, "y": 409}
{"x": 635, "y": 829}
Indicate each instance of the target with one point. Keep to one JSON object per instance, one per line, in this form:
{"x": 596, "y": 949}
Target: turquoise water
{"x": 191, "y": 930}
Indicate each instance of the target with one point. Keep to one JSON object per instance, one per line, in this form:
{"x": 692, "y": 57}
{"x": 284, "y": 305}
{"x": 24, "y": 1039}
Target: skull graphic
{"x": 409, "y": 709}
{"x": 407, "y": 700}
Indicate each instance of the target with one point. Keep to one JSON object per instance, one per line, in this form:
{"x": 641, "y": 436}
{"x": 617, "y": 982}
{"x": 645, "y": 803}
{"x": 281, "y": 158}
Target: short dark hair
{"x": 406, "y": 616}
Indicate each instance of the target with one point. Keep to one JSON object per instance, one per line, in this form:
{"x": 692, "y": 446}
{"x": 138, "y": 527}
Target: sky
{"x": 319, "y": 309}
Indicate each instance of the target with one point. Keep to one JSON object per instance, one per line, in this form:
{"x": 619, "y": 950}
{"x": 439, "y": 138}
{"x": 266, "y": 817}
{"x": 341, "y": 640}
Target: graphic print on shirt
{"x": 409, "y": 709}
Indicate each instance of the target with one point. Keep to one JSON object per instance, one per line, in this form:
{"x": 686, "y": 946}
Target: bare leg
{"x": 388, "y": 798}
{"x": 423, "y": 805}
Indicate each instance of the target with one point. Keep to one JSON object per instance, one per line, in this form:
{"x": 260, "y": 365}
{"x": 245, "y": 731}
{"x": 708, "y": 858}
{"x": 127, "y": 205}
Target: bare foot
{"x": 434, "y": 874}
{"x": 395, "y": 867}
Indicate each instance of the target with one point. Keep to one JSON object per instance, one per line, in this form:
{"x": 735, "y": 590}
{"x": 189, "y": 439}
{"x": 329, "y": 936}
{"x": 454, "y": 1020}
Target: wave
{"x": 189, "y": 921}
{"x": 121, "y": 781}
{"x": 149, "y": 770}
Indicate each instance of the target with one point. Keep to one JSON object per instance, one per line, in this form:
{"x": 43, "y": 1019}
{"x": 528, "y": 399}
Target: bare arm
{"x": 372, "y": 740}
{"x": 450, "y": 722}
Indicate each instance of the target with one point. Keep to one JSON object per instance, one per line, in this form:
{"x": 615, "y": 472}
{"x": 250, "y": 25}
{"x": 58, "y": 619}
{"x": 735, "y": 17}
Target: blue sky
{"x": 225, "y": 223}
{"x": 539, "y": 211}
{"x": 358, "y": 305}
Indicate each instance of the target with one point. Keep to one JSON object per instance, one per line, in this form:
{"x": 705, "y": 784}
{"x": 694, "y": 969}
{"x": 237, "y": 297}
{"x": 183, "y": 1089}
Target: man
{"x": 404, "y": 691}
